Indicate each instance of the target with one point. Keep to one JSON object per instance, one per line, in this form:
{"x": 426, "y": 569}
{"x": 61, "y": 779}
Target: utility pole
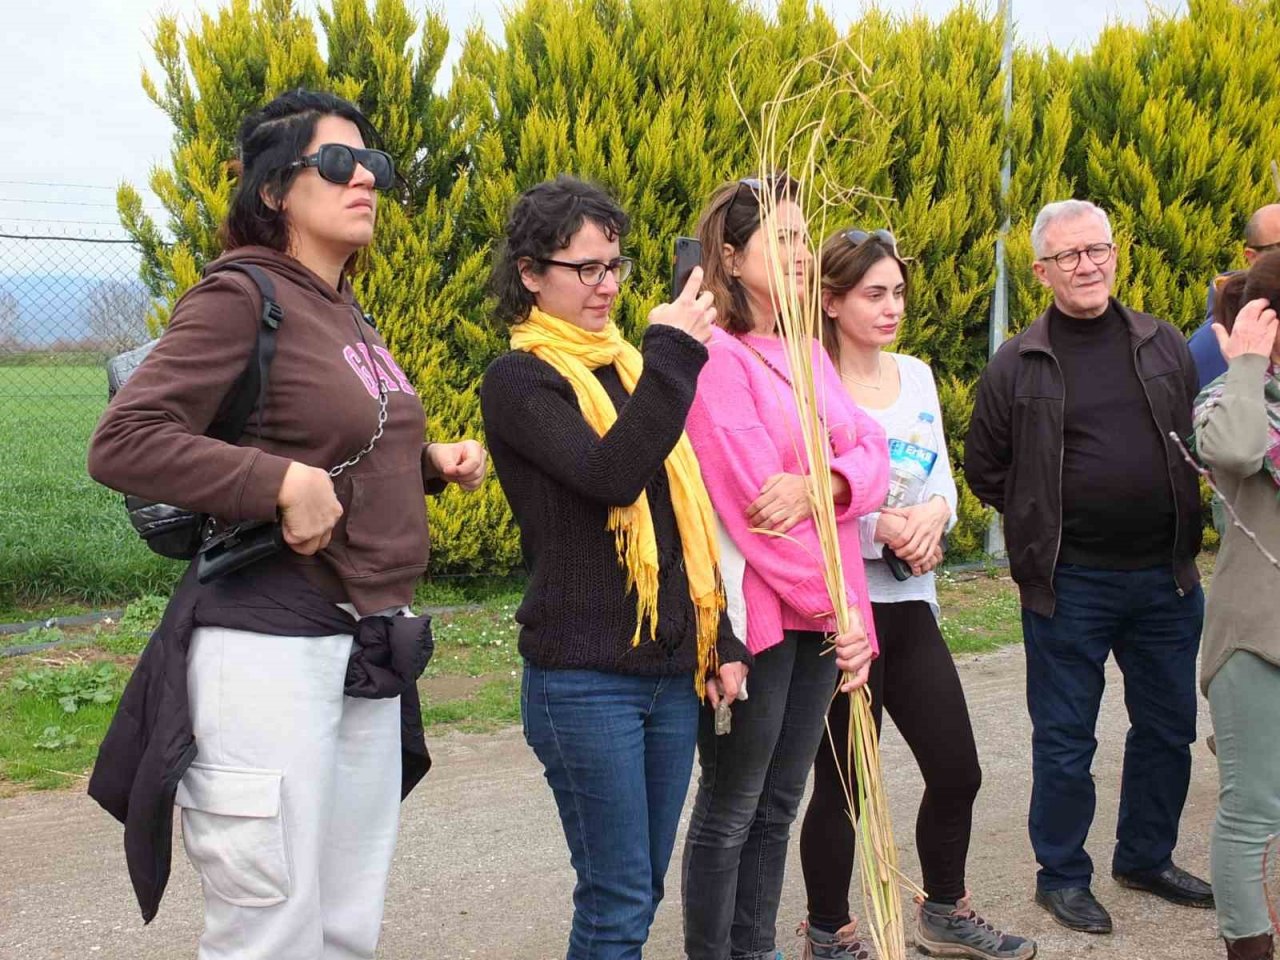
{"x": 999, "y": 326}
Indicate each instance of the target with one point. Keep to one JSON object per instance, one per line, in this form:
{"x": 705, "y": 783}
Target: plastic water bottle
{"x": 911, "y": 461}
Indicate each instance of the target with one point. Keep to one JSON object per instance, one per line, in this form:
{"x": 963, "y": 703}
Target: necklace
{"x": 870, "y": 386}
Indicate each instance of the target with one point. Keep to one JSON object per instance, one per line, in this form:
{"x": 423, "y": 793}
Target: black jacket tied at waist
{"x": 150, "y": 742}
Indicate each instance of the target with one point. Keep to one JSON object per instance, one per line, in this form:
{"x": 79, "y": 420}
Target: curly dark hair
{"x": 269, "y": 140}
{"x": 545, "y": 219}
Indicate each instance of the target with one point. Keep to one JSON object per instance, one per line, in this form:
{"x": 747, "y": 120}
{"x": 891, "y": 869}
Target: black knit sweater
{"x": 561, "y": 479}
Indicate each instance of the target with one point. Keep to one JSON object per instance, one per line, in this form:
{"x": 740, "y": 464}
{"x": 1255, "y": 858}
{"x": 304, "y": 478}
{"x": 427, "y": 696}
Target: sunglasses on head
{"x": 336, "y": 162}
{"x": 754, "y": 184}
{"x": 859, "y": 237}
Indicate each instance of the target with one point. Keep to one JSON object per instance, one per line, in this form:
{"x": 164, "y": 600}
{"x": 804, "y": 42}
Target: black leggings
{"x": 915, "y": 678}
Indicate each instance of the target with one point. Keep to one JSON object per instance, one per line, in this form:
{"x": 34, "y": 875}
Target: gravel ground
{"x": 482, "y": 871}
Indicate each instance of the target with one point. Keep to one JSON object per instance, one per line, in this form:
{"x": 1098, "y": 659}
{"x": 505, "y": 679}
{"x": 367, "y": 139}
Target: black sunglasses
{"x": 336, "y": 162}
{"x": 754, "y": 184}
{"x": 859, "y": 237}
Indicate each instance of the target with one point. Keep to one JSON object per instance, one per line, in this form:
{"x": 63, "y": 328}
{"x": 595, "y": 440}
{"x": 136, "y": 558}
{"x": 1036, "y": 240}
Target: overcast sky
{"x": 74, "y": 121}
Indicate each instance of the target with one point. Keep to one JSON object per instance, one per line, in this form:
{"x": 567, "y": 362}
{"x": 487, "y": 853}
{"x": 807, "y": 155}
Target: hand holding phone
{"x": 690, "y": 311}
{"x": 688, "y": 254}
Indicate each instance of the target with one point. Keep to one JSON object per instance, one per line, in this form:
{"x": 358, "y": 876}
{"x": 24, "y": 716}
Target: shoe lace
{"x": 846, "y": 938}
{"x": 964, "y": 911}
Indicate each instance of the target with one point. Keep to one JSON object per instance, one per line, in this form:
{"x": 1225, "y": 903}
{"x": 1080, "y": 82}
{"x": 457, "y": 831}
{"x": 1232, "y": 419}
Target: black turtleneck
{"x": 1117, "y": 505}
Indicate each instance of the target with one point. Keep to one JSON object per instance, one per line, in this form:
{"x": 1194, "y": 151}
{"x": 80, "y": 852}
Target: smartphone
{"x": 688, "y": 254}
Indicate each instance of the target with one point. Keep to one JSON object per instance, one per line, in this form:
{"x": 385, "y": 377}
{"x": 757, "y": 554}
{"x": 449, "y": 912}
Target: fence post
{"x": 999, "y": 327}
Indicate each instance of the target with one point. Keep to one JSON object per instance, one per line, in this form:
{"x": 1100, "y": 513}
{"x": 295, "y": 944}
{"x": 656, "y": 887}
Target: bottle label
{"x": 922, "y": 457}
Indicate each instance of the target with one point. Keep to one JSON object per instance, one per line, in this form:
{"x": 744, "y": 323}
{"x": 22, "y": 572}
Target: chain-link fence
{"x": 67, "y": 302}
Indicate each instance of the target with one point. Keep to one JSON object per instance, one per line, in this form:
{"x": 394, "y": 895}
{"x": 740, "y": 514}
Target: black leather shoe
{"x": 1173, "y": 884}
{"x": 1076, "y": 909}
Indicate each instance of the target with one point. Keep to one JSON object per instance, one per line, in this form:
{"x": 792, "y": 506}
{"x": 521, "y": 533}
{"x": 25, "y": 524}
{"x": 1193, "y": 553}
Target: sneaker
{"x": 844, "y": 944}
{"x": 947, "y": 930}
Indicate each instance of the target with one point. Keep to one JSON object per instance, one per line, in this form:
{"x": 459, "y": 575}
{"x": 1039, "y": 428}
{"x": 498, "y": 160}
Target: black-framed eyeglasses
{"x": 1263, "y": 248}
{"x": 336, "y": 162}
{"x": 1068, "y": 260}
{"x": 859, "y": 237}
{"x": 592, "y": 272}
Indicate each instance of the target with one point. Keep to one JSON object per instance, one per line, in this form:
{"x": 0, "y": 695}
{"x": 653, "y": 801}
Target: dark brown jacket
{"x": 321, "y": 407}
{"x": 1013, "y": 451}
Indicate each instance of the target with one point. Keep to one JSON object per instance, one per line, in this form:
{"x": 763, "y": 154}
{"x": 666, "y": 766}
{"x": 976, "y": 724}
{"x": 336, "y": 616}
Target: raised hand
{"x": 1253, "y": 332}
{"x": 692, "y": 312}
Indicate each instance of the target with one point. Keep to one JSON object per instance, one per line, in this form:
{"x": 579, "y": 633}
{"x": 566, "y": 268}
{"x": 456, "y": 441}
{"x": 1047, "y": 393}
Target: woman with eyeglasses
{"x": 746, "y": 432}
{"x": 864, "y": 291}
{"x": 621, "y": 627}
{"x": 257, "y": 698}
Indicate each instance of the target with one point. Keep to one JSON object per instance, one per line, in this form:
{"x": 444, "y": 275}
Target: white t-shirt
{"x": 918, "y": 394}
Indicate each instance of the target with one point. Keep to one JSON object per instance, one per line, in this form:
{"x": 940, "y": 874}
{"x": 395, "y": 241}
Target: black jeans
{"x": 915, "y": 679}
{"x": 749, "y": 790}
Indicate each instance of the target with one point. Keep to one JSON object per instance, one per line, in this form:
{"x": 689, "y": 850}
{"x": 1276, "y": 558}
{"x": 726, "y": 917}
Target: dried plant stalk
{"x": 794, "y": 133}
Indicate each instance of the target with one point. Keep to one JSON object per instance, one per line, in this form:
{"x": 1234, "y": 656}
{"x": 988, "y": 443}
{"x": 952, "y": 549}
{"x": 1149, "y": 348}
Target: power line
{"x": 58, "y": 203}
{"x": 50, "y": 183}
{"x": 28, "y": 236}
{"x": 97, "y": 223}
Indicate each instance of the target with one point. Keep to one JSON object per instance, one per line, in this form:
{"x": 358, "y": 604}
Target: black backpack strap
{"x": 251, "y": 386}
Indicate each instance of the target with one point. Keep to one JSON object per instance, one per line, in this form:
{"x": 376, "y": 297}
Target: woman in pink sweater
{"x": 745, "y": 430}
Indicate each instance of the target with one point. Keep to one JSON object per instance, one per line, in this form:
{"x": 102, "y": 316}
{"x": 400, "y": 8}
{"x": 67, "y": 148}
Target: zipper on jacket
{"x": 1173, "y": 489}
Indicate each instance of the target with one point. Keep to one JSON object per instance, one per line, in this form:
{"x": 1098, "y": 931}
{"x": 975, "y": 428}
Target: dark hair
{"x": 844, "y": 264}
{"x": 269, "y": 140}
{"x": 733, "y": 217}
{"x": 545, "y": 219}
{"x": 1260, "y": 280}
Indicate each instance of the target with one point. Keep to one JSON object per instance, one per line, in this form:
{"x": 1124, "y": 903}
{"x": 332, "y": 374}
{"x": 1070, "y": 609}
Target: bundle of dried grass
{"x": 794, "y": 134}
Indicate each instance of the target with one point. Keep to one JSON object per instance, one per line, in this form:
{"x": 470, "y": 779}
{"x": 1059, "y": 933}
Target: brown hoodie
{"x": 321, "y": 408}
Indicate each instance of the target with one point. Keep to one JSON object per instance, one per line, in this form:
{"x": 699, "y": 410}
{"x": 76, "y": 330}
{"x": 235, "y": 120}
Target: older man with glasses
{"x": 1070, "y": 442}
{"x": 1261, "y": 233}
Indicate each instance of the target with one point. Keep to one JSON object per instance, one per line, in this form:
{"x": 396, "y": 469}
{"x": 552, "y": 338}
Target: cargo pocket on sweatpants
{"x": 234, "y": 832}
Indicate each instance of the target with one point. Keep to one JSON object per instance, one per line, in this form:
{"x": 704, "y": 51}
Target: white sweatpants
{"x": 290, "y": 812}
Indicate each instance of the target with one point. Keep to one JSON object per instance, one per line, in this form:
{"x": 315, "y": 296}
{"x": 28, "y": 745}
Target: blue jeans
{"x": 1154, "y": 634}
{"x": 618, "y": 753}
{"x": 752, "y": 780}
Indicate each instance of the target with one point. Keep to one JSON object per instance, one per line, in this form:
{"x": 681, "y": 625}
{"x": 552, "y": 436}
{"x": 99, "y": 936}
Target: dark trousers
{"x": 748, "y": 793}
{"x": 915, "y": 679}
{"x": 1154, "y": 634}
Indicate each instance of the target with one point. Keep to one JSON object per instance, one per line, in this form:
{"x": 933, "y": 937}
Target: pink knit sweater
{"x": 744, "y": 428}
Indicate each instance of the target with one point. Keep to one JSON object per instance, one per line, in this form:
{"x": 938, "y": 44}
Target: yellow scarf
{"x": 574, "y": 352}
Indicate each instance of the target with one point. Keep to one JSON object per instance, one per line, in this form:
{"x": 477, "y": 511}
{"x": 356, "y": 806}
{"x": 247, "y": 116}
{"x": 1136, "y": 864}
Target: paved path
{"x": 481, "y": 870}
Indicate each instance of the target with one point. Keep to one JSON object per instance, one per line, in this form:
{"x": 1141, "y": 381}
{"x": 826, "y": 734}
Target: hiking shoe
{"x": 955, "y": 930}
{"x": 844, "y": 944}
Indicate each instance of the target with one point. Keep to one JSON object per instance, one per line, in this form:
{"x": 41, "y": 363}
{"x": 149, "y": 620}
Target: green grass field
{"x": 471, "y": 684}
{"x": 63, "y": 538}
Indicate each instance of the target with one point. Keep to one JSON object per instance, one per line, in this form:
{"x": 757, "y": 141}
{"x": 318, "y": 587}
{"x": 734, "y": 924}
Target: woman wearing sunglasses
{"x": 864, "y": 290}
{"x": 746, "y": 432}
{"x": 621, "y": 625}
{"x": 290, "y": 805}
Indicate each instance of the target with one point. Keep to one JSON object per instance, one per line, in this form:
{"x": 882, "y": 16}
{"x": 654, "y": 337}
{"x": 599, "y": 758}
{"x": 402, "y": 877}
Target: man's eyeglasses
{"x": 859, "y": 237}
{"x": 1263, "y": 248}
{"x": 592, "y": 272}
{"x": 336, "y": 162}
{"x": 1068, "y": 260}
